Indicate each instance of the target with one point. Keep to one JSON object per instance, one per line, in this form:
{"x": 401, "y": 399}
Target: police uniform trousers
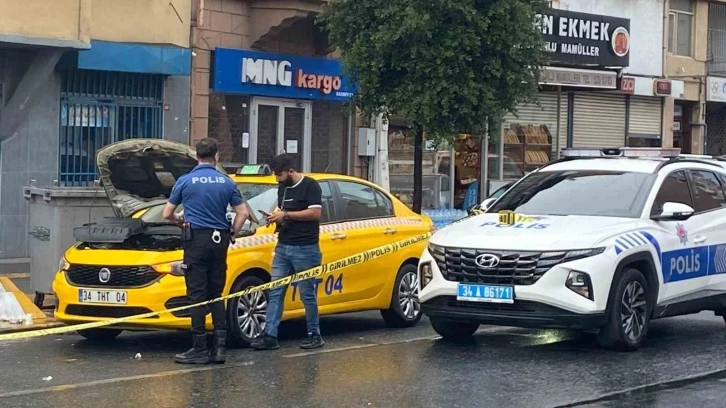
{"x": 205, "y": 263}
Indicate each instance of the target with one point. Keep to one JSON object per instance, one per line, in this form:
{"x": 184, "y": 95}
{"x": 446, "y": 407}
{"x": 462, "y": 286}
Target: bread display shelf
{"x": 528, "y": 145}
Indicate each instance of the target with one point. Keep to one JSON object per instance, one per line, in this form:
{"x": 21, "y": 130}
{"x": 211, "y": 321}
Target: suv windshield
{"x": 579, "y": 192}
{"x": 259, "y": 196}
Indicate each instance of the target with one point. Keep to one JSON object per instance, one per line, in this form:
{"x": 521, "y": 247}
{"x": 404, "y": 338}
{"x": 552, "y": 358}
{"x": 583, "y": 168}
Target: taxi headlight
{"x": 63, "y": 265}
{"x": 426, "y": 274}
{"x": 172, "y": 268}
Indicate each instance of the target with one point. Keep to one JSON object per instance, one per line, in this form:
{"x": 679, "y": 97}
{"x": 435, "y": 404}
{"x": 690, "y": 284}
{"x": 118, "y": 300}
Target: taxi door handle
{"x": 338, "y": 236}
{"x": 699, "y": 239}
{"x": 390, "y": 231}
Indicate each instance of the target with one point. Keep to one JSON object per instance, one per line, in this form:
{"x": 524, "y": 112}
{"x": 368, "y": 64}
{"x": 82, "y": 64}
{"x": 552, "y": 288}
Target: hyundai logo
{"x": 104, "y": 275}
{"x": 487, "y": 261}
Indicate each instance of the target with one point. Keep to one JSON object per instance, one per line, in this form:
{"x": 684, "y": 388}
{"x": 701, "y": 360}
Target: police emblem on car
{"x": 487, "y": 261}
{"x": 104, "y": 275}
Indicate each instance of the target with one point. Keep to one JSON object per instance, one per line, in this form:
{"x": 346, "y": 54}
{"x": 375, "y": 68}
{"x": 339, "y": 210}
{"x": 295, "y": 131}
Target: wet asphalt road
{"x": 364, "y": 364}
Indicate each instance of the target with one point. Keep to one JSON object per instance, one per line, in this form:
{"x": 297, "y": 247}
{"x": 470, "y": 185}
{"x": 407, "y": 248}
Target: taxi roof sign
{"x": 254, "y": 170}
{"x": 665, "y": 152}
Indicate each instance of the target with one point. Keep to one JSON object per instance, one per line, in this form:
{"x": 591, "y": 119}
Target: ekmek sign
{"x": 581, "y": 39}
{"x": 276, "y": 75}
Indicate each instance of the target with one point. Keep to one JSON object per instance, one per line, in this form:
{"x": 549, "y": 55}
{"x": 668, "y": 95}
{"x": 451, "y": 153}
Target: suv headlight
{"x": 549, "y": 259}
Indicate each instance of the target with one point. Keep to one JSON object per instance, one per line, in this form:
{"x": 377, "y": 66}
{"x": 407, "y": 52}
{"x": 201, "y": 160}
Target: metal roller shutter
{"x": 645, "y": 116}
{"x": 543, "y": 114}
{"x": 598, "y": 120}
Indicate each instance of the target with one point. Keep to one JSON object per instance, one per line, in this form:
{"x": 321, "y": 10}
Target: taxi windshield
{"x": 259, "y": 196}
{"x": 579, "y": 192}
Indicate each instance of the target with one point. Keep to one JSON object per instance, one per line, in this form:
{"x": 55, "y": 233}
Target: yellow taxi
{"x": 131, "y": 264}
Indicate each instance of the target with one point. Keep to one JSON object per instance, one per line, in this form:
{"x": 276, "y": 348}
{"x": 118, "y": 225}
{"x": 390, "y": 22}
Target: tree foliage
{"x": 445, "y": 64}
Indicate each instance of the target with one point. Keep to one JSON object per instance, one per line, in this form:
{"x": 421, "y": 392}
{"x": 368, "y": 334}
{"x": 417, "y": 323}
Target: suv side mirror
{"x": 486, "y": 203}
{"x": 674, "y": 212}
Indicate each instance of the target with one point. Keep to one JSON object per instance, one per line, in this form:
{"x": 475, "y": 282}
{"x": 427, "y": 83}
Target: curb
{"x": 15, "y": 275}
{"x": 645, "y": 388}
{"x": 23, "y": 328}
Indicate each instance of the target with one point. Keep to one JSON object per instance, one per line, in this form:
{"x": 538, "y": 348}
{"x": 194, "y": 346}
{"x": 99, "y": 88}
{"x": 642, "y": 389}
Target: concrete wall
{"x": 143, "y": 21}
{"x": 136, "y": 21}
{"x": 59, "y": 19}
{"x": 32, "y": 154}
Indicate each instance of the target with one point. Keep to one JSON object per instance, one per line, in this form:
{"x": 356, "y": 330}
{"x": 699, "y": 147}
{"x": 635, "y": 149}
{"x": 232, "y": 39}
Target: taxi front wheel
{"x": 246, "y": 315}
{"x": 405, "y": 309}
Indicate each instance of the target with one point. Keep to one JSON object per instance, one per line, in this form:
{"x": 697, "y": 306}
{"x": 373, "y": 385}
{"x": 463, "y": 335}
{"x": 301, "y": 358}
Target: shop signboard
{"x": 627, "y": 85}
{"x": 716, "y": 91}
{"x": 583, "y": 78}
{"x": 579, "y": 39}
{"x": 277, "y": 75}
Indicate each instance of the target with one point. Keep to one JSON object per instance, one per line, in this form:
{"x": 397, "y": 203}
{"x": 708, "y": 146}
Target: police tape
{"x": 343, "y": 263}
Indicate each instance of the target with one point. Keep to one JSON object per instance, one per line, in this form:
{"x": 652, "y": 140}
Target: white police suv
{"x": 601, "y": 239}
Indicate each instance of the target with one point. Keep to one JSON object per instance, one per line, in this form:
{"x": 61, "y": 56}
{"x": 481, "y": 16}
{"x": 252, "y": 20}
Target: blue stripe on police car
{"x": 692, "y": 263}
{"x": 633, "y": 240}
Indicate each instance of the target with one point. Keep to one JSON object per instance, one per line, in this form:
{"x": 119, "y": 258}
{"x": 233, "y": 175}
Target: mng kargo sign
{"x": 277, "y": 75}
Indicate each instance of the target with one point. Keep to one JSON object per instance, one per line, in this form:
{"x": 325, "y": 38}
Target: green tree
{"x": 447, "y": 65}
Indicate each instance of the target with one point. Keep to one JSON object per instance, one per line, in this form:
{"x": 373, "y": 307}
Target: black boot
{"x": 198, "y": 354}
{"x": 218, "y": 353}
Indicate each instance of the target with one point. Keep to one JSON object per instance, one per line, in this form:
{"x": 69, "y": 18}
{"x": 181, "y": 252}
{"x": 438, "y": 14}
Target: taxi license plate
{"x": 115, "y": 297}
{"x": 485, "y": 293}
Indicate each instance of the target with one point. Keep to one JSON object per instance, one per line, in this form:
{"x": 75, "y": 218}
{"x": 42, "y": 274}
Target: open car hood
{"x": 140, "y": 173}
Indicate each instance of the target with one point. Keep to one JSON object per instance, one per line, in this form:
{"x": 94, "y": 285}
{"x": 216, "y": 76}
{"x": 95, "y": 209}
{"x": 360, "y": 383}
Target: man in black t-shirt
{"x": 299, "y": 200}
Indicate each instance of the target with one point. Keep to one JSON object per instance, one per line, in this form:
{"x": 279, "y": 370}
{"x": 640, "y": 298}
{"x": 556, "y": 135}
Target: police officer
{"x": 205, "y": 193}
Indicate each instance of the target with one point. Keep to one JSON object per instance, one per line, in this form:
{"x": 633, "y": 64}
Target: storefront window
{"x": 436, "y": 159}
{"x": 526, "y": 148}
{"x": 329, "y": 135}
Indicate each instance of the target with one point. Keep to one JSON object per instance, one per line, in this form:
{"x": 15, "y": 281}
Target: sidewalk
{"x": 19, "y": 285}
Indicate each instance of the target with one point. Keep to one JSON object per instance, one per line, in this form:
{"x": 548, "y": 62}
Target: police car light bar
{"x": 254, "y": 170}
{"x": 621, "y": 152}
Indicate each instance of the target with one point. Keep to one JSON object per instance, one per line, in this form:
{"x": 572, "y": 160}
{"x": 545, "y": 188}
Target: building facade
{"x": 715, "y": 128}
{"x": 265, "y": 80}
{"x": 74, "y": 77}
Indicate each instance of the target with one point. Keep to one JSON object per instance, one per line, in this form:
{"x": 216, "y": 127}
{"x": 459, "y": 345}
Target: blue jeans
{"x": 288, "y": 260}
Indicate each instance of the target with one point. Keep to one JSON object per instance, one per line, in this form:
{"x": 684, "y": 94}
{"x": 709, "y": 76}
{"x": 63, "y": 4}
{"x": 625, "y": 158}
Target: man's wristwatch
{"x": 284, "y": 215}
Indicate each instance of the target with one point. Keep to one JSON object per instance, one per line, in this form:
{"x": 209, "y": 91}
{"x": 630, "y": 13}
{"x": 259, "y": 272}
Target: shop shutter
{"x": 645, "y": 116}
{"x": 598, "y": 120}
{"x": 543, "y": 114}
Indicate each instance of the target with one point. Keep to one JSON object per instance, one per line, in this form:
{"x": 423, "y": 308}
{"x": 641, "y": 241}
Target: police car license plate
{"x": 485, "y": 293}
{"x": 116, "y": 297}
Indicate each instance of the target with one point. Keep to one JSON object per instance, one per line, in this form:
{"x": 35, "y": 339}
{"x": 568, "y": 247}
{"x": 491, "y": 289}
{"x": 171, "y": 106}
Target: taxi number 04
{"x": 332, "y": 284}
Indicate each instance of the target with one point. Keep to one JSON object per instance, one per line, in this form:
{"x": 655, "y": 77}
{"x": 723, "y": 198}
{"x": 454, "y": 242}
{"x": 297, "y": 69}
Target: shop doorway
{"x": 277, "y": 126}
{"x": 682, "y": 127}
